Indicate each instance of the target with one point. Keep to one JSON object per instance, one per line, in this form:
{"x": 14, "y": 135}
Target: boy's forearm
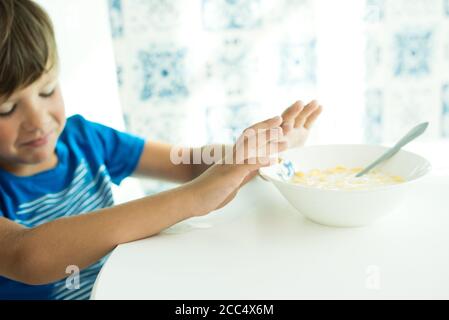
{"x": 46, "y": 251}
{"x": 198, "y": 170}
{"x": 157, "y": 161}
{"x": 209, "y": 150}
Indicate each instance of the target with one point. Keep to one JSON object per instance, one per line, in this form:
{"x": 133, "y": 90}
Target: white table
{"x": 259, "y": 247}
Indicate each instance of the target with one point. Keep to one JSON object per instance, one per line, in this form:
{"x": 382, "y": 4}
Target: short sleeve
{"x": 2, "y": 215}
{"x": 121, "y": 151}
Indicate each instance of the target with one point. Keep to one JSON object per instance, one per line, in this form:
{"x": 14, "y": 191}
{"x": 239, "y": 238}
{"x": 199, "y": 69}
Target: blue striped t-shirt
{"x": 91, "y": 157}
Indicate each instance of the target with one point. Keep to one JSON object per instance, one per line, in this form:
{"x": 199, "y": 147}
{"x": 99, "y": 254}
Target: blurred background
{"x": 193, "y": 72}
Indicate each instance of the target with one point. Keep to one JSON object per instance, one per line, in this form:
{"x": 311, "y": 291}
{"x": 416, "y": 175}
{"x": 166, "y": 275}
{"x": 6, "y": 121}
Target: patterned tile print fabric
{"x": 200, "y": 71}
{"x": 407, "y": 62}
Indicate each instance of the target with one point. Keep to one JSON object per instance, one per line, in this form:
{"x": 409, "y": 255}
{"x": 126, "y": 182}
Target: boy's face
{"x": 31, "y": 121}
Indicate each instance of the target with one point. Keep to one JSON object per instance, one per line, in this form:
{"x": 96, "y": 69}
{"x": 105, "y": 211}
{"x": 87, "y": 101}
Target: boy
{"x": 56, "y": 206}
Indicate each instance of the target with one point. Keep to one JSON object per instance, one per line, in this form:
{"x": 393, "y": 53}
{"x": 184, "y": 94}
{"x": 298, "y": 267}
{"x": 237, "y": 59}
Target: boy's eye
{"x": 8, "y": 113}
{"x": 47, "y": 95}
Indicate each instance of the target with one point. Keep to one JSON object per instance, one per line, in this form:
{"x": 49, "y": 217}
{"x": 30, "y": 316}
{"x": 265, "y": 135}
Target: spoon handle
{"x": 410, "y": 136}
{"x": 413, "y": 134}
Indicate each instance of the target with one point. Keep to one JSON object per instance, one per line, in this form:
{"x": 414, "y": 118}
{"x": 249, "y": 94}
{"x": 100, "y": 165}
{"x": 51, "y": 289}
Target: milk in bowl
{"x": 342, "y": 178}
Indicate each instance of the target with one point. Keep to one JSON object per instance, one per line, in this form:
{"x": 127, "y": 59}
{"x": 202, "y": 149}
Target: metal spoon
{"x": 412, "y": 135}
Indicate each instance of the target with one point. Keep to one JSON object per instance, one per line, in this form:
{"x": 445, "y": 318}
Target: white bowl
{"x": 347, "y": 208}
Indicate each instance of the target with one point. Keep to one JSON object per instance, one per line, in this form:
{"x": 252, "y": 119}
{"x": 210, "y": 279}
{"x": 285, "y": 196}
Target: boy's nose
{"x": 36, "y": 119}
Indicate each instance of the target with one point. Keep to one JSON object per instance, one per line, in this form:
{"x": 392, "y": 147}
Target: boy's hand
{"x": 298, "y": 120}
{"x": 253, "y": 150}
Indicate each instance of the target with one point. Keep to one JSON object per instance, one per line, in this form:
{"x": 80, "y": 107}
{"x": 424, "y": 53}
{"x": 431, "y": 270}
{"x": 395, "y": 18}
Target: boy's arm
{"x": 156, "y": 162}
{"x": 41, "y": 255}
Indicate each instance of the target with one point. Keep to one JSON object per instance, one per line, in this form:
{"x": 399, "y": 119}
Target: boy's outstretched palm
{"x": 224, "y": 181}
{"x": 298, "y": 121}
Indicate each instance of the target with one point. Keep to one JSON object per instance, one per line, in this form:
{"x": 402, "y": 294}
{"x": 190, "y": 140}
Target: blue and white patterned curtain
{"x": 200, "y": 71}
{"x": 407, "y": 58}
